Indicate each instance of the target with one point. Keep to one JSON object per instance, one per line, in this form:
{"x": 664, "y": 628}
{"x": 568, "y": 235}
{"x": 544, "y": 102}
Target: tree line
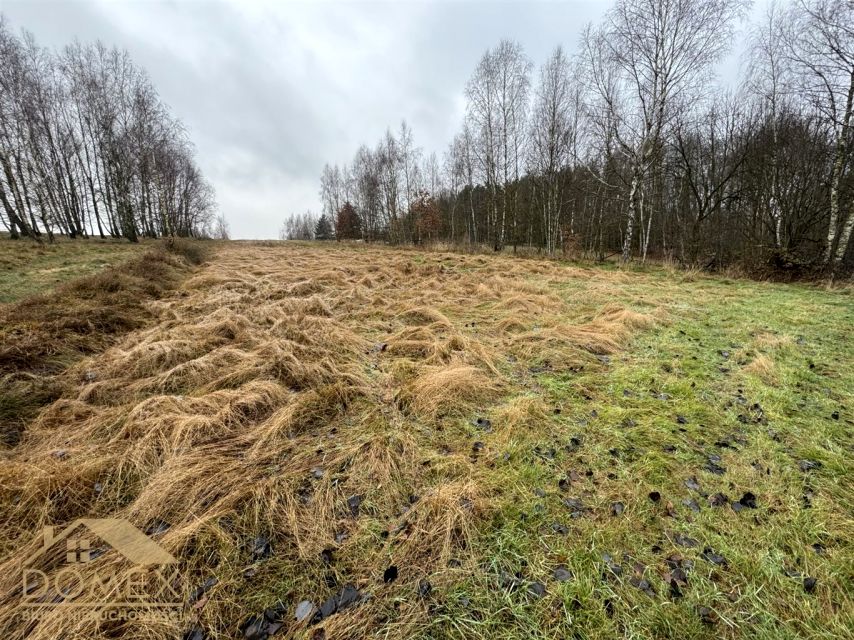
{"x": 88, "y": 147}
{"x": 631, "y": 148}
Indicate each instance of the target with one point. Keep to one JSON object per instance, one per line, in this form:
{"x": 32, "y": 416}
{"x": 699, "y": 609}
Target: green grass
{"x": 28, "y": 269}
{"x": 646, "y": 420}
{"x": 626, "y": 414}
{"x": 759, "y": 374}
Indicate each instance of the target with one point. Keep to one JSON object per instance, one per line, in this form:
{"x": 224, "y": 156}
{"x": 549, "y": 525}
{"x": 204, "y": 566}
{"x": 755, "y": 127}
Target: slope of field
{"x": 27, "y": 270}
{"x": 360, "y": 441}
{"x": 44, "y": 333}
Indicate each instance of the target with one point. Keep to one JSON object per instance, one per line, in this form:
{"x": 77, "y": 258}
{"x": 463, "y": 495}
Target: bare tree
{"x": 299, "y": 227}
{"x": 86, "y": 145}
{"x": 460, "y": 168}
{"x": 821, "y": 38}
{"x": 709, "y": 146}
{"x": 332, "y": 190}
{"x": 553, "y": 135}
{"x": 769, "y": 80}
{"x": 634, "y": 148}
{"x": 221, "y": 229}
{"x": 497, "y": 108}
{"x": 648, "y": 58}
{"x": 390, "y": 168}
{"x": 367, "y": 200}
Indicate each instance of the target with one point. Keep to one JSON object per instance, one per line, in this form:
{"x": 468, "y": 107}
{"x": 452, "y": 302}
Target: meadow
{"x": 343, "y": 441}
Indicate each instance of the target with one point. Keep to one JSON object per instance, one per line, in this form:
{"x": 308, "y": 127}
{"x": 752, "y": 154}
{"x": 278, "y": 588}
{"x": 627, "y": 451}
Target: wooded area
{"x": 87, "y": 147}
{"x": 630, "y": 148}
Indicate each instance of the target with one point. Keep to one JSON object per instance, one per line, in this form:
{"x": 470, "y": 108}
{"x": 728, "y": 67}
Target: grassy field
{"x": 49, "y": 330}
{"x": 27, "y": 269}
{"x": 360, "y": 442}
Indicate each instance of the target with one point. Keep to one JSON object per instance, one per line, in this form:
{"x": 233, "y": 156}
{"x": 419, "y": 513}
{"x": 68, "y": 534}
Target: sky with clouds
{"x": 272, "y": 90}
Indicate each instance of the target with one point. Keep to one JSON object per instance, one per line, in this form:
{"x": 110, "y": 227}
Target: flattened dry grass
{"x": 439, "y": 391}
{"x": 356, "y": 408}
{"x": 269, "y": 364}
{"x": 42, "y": 335}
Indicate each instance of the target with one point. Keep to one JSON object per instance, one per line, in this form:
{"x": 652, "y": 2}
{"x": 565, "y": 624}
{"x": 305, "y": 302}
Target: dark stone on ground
{"x": 261, "y": 548}
{"x": 718, "y": 500}
{"x": 707, "y": 615}
{"x": 562, "y": 574}
{"x": 714, "y": 558}
{"x": 347, "y": 597}
{"x": 354, "y": 502}
{"x": 537, "y": 589}
{"x": 424, "y": 588}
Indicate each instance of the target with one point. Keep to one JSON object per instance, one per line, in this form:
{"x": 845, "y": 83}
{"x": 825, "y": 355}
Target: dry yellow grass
{"x": 277, "y": 383}
{"x": 762, "y": 366}
{"x": 772, "y": 341}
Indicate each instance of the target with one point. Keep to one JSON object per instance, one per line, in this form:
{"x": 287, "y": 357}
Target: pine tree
{"x": 323, "y": 230}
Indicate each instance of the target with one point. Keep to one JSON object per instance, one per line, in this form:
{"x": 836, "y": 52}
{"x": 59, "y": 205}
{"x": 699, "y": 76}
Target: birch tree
{"x": 821, "y": 37}
{"x": 634, "y": 148}
{"x": 553, "y": 133}
{"x": 648, "y": 58}
{"x": 497, "y": 108}
{"x": 769, "y": 80}
{"x": 87, "y": 146}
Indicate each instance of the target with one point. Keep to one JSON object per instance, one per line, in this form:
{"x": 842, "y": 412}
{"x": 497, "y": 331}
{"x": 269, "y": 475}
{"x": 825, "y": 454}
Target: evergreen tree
{"x": 323, "y": 230}
{"x": 348, "y": 225}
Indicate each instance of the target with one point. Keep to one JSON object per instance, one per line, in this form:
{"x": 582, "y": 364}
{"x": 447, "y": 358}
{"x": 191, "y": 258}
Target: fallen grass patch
{"x": 42, "y": 335}
{"x": 440, "y": 391}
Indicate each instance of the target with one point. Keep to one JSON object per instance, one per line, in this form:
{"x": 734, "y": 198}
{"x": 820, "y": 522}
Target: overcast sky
{"x": 270, "y": 91}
